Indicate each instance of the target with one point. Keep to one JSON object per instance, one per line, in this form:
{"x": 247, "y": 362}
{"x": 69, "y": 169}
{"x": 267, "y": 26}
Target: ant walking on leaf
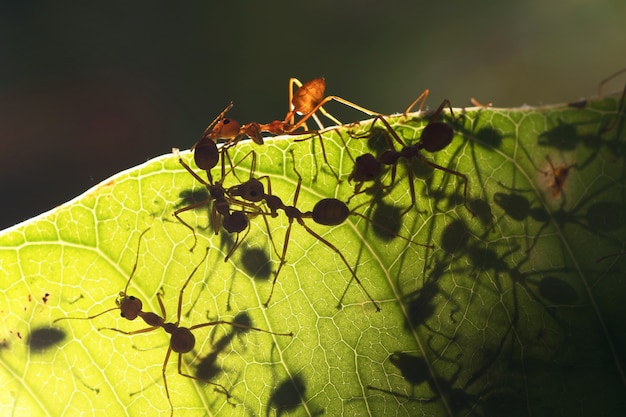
{"x": 233, "y": 221}
{"x": 327, "y": 212}
{"x": 182, "y": 340}
{"x": 434, "y": 137}
{"x": 305, "y": 101}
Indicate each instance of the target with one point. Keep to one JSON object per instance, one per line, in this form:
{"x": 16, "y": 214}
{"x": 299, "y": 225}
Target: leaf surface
{"x": 507, "y": 314}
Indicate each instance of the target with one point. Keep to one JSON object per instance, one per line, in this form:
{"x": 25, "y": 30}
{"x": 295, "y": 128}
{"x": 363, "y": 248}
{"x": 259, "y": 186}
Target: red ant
{"x": 434, "y": 137}
{"x": 555, "y": 180}
{"x": 306, "y": 101}
{"x": 309, "y": 98}
{"x": 182, "y": 339}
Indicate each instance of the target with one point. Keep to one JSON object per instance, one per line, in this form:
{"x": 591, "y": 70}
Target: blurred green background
{"x": 87, "y": 90}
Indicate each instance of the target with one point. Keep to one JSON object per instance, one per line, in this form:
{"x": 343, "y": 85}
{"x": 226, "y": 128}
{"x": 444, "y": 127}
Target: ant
{"x": 309, "y": 98}
{"x": 232, "y": 221}
{"x": 305, "y": 101}
{"x": 434, "y": 137}
{"x": 326, "y": 212}
{"x": 555, "y": 180}
{"x": 182, "y": 339}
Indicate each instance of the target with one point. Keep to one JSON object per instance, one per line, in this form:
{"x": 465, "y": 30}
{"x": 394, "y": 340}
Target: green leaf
{"x": 507, "y": 314}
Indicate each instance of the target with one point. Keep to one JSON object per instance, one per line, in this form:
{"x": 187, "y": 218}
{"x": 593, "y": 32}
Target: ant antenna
{"x": 118, "y": 306}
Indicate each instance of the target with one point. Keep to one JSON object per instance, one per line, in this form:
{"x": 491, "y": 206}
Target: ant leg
{"x": 347, "y": 103}
{"x": 146, "y": 330}
{"x": 291, "y": 215}
{"x": 291, "y": 112}
{"x": 477, "y": 103}
{"x": 607, "y": 79}
{"x": 437, "y": 112}
{"x": 220, "y": 386}
{"x": 167, "y": 390}
{"x": 191, "y": 171}
{"x": 453, "y": 172}
{"x": 308, "y": 115}
{"x": 421, "y": 97}
{"x": 136, "y": 260}
{"x": 411, "y": 189}
{"x": 282, "y": 261}
{"x": 239, "y": 326}
{"x": 345, "y": 261}
{"x": 193, "y": 231}
{"x": 182, "y": 289}
{"x": 325, "y": 157}
{"x": 269, "y": 234}
{"x": 237, "y": 243}
{"x": 390, "y": 131}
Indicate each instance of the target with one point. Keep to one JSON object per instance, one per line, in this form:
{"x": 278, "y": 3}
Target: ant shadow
{"x": 206, "y": 367}
{"x": 193, "y": 198}
{"x": 288, "y": 396}
{"x": 43, "y": 338}
{"x": 256, "y": 263}
{"x": 456, "y": 396}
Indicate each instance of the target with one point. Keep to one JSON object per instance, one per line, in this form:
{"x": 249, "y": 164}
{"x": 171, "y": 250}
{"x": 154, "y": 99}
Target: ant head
{"x": 236, "y": 222}
{"x": 225, "y": 129}
{"x": 205, "y": 154}
{"x": 436, "y": 136}
{"x": 130, "y": 306}
{"x": 366, "y": 168}
{"x": 251, "y": 190}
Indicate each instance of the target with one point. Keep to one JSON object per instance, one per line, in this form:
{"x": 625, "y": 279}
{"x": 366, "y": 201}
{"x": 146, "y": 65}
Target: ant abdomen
{"x": 236, "y": 222}
{"x": 205, "y": 154}
{"x": 330, "y": 212}
{"x": 436, "y": 136}
{"x": 308, "y": 96}
{"x": 182, "y": 340}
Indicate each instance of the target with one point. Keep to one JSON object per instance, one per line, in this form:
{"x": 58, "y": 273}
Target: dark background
{"x": 87, "y": 90}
